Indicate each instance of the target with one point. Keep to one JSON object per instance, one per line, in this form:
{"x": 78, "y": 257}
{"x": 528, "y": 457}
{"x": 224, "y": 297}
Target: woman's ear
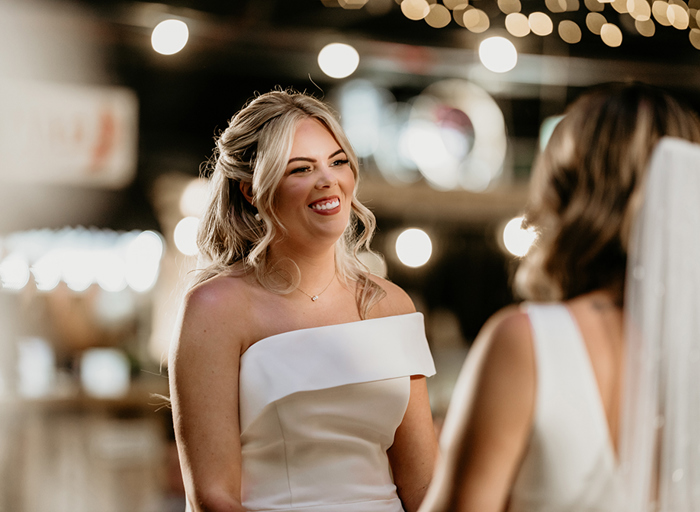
{"x": 247, "y": 191}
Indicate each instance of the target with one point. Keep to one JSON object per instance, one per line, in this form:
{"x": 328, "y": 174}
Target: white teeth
{"x": 327, "y": 206}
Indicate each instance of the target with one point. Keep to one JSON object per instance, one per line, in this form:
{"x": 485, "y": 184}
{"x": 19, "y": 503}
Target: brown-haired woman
{"x": 535, "y": 417}
{"x": 298, "y": 378}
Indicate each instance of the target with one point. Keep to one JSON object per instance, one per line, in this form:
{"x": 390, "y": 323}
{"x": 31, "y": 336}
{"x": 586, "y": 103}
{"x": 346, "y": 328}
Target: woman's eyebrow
{"x": 308, "y": 159}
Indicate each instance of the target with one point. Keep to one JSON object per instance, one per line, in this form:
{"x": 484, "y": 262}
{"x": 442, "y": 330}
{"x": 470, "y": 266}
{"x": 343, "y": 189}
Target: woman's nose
{"x": 326, "y": 177}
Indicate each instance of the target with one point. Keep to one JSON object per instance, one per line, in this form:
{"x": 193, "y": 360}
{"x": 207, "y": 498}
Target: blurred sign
{"x": 70, "y": 134}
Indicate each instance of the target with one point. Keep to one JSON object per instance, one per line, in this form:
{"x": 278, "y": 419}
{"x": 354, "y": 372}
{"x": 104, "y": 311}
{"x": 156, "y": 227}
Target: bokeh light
{"x": 516, "y": 239}
{"x": 185, "y": 236}
{"x": 170, "y": 36}
{"x": 414, "y": 247}
{"x": 338, "y": 60}
{"x": 14, "y": 272}
{"x": 498, "y": 54}
{"x": 142, "y": 263}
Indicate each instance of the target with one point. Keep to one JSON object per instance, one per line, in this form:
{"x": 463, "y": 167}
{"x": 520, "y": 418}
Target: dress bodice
{"x": 318, "y": 410}
{"x": 570, "y": 463}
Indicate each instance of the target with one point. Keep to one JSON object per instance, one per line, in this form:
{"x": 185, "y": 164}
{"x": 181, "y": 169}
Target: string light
{"x": 680, "y": 14}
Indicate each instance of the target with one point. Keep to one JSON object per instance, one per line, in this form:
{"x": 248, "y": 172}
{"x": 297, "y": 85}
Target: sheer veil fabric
{"x": 660, "y": 436}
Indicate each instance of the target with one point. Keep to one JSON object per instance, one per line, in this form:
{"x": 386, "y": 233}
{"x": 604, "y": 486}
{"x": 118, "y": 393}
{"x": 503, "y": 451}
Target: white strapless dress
{"x": 318, "y": 411}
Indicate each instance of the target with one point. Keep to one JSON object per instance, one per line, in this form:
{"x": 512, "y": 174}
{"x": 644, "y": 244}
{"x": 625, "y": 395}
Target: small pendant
{"x": 314, "y": 298}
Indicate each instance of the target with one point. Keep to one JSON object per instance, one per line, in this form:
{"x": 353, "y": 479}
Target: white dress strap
{"x": 329, "y": 356}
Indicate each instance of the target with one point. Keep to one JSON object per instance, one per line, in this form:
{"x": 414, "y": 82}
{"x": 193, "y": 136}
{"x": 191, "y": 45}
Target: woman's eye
{"x": 299, "y": 170}
{"x": 340, "y": 162}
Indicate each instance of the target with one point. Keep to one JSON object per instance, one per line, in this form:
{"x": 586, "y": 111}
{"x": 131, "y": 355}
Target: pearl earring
{"x": 258, "y": 217}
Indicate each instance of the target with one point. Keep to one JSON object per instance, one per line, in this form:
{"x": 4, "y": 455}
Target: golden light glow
{"x": 453, "y": 4}
{"x": 678, "y": 17}
{"x": 569, "y": 32}
{"x": 594, "y": 5}
{"x": 694, "y": 37}
{"x": 595, "y": 21}
{"x": 611, "y": 35}
{"x": 517, "y": 24}
{"x": 660, "y": 11}
{"x": 458, "y": 13}
{"x": 476, "y": 20}
{"x": 680, "y": 14}
{"x": 509, "y": 6}
{"x": 556, "y": 5}
{"x": 415, "y": 9}
{"x": 647, "y": 28}
{"x": 620, "y": 6}
{"x": 439, "y": 16}
{"x": 540, "y": 24}
{"x": 640, "y": 10}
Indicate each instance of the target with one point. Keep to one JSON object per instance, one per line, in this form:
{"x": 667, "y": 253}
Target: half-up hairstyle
{"x": 587, "y": 185}
{"x": 254, "y": 149}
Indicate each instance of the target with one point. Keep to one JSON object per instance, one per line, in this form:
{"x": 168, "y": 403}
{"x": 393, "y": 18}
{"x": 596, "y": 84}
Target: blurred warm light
{"x": 660, "y": 11}
{"x": 556, "y": 6}
{"x": 362, "y": 105}
{"x": 569, "y": 31}
{"x": 104, "y": 372}
{"x": 678, "y": 16}
{"x": 516, "y": 239}
{"x": 78, "y": 269}
{"x": 194, "y": 197}
{"x": 476, "y": 20}
{"x": 413, "y": 247}
{"x": 185, "y": 236}
{"x": 695, "y": 38}
{"x": 458, "y": 13}
{"x": 415, "y": 9}
{"x": 540, "y": 23}
{"x": 14, "y": 272}
{"x": 439, "y": 16}
{"x": 647, "y": 28}
{"x": 611, "y": 35}
{"x": 47, "y": 271}
{"x": 338, "y": 60}
{"x": 594, "y": 5}
{"x": 640, "y": 10}
{"x": 433, "y": 158}
{"x": 509, "y": 6}
{"x": 36, "y": 367}
{"x": 517, "y": 24}
{"x": 169, "y": 36}
{"x": 620, "y": 6}
{"x": 143, "y": 255}
{"x": 111, "y": 273}
{"x": 498, "y": 54}
{"x": 595, "y": 21}
{"x": 454, "y": 4}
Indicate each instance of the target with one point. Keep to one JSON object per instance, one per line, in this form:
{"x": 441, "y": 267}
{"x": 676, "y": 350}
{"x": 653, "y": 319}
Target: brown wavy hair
{"x": 254, "y": 148}
{"x": 587, "y": 185}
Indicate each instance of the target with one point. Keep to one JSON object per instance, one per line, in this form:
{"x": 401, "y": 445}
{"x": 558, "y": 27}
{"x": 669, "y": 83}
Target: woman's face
{"x": 314, "y": 196}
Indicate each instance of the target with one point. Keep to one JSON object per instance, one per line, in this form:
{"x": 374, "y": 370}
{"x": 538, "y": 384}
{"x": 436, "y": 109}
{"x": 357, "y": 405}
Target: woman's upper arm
{"x": 203, "y": 369}
{"x": 488, "y": 423}
{"x": 414, "y": 452}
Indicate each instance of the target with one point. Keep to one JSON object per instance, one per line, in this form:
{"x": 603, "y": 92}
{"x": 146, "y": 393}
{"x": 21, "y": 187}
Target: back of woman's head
{"x": 587, "y": 185}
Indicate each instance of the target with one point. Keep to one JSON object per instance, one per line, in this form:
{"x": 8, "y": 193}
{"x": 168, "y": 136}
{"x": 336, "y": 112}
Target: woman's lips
{"x": 326, "y": 206}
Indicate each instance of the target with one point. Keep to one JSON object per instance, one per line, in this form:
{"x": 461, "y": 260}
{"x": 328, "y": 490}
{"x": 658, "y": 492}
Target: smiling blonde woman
{"x": 297, "y": 378}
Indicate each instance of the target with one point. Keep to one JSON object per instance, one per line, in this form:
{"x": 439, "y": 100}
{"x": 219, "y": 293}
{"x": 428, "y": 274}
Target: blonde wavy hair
{"x": 587, "y": 185}
{"x": 255, "y": 148}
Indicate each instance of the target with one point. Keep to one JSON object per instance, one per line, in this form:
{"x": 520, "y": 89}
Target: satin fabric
{"x": 318, "y": 410}
{"x": 570, "y": 463}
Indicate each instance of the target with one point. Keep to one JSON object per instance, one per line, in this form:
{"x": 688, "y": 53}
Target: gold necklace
{"x": 313, "y": 298}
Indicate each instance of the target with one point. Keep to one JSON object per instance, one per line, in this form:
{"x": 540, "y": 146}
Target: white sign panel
{"x": 69, "y": 134}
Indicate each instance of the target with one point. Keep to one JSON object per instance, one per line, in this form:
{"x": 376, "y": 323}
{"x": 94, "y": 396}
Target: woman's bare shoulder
{"x": 395, "y": 302}
{"x": 216, "y": 309}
